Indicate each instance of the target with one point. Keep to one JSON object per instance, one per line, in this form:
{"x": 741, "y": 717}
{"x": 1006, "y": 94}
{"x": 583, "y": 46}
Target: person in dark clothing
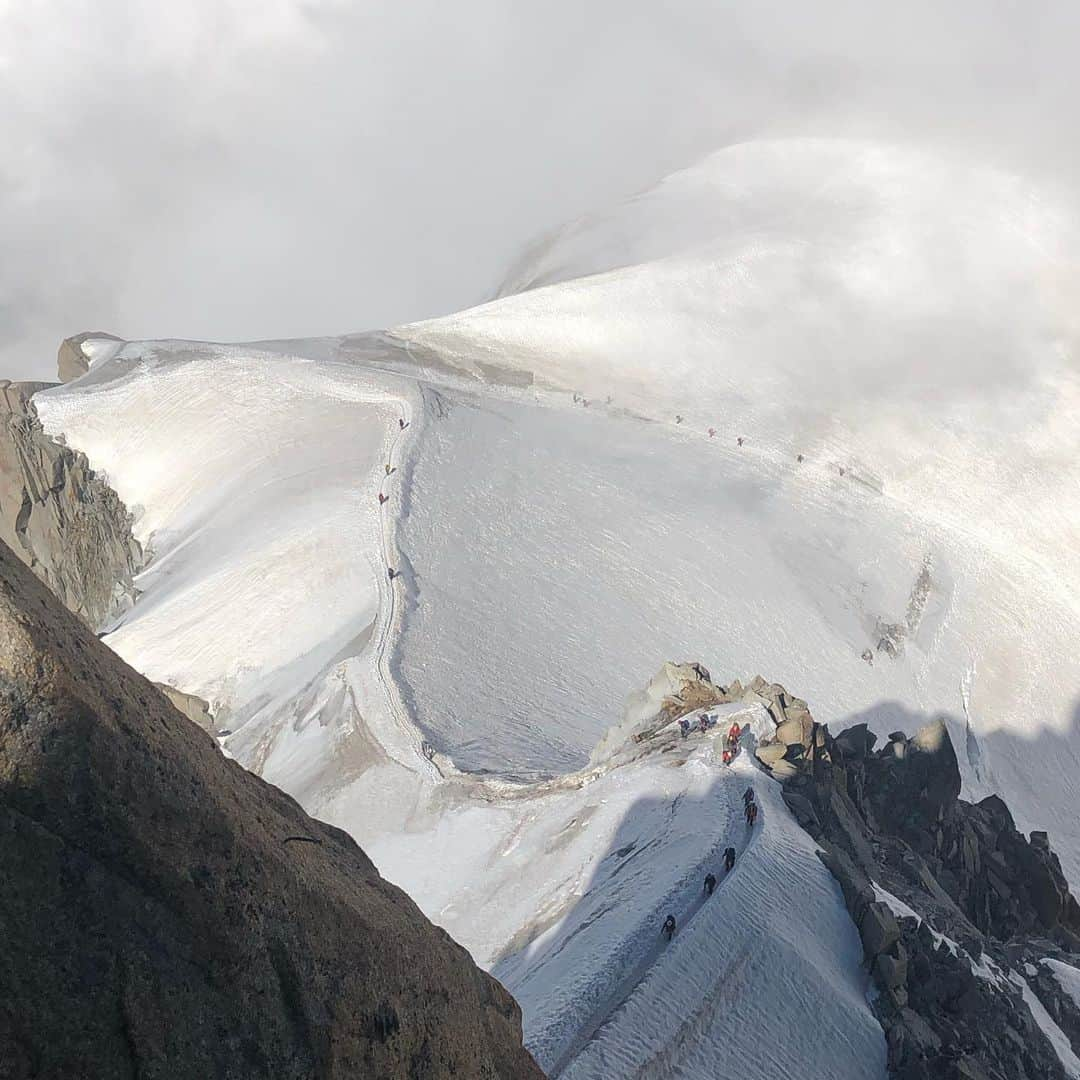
{"x": 729, "y": 859}
{"x": 402, "y": 423}
{"x": 684, "y": 727}
{"x": 740, "y": 440}
{"x": 710, "y": 884}
{"x": 748, "y": 796}
{"x": 391, "y": 573}
{"x": 751, "y": 818}
{"x": 383, "y": 498}
{"x": 669, "y": 927}
{"x": 747, "y": 809}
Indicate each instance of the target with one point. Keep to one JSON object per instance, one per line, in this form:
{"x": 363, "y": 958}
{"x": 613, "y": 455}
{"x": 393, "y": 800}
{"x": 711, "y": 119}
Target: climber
{"x": 684, "y": 726}
{"x": 703, "y": 723}
{"x": 751, "y": 814}
{"x": 389, "y": 468}
{"x": 734, "y": 734}
{"x": 383, "y": 498}
{"x": 712, "y": 432}
{"x": 748, "y": 796}
{"x": 391, "y": 573}
{"x": 669, "y": 927}
{"x": 402, "y": 423}
{"x": 740, "y": 440}
{"x": 800, "y": 459}
{"x": 729, "y": 859}
{"x": 678, "y": 419}
{"x": 710, "y": 884}
{"x": 868, "y": 656}
{"x": 726, "y": 756}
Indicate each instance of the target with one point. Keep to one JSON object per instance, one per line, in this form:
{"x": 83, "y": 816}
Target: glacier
{"x": 806, "y": 402}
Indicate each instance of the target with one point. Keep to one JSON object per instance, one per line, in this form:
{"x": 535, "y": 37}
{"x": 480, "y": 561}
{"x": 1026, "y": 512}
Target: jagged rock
{"x": 165, "y": 913}
{"x": 878, "y": 929}
{"x": 891, "y": 971}
{"x": 803, "y": 809}
{"x": 71, "y": 361}
{"x": 895, "y": 818}
{"x": 855, "y": 742}
{"x": 60, "y": 517}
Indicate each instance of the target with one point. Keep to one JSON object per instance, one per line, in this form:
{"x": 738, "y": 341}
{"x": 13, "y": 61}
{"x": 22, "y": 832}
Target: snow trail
{"x": 634, "y": 978}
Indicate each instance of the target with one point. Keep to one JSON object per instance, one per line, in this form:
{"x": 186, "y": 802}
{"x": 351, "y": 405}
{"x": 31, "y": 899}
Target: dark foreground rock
{"x": 60, "y": 517}
{"x": 165, "y": 913}
{"x": 987, "y": 906}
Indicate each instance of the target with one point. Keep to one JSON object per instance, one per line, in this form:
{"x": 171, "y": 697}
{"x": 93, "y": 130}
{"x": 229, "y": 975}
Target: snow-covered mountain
{"x": 806, "y": 409}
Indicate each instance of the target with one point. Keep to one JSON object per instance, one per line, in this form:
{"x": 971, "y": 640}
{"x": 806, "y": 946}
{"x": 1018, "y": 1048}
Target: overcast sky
{"x": 239, "y": 169}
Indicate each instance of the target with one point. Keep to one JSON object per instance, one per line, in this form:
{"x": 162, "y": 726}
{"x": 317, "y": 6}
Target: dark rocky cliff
{"x": 165, "y": 913}
{"x": 990, "y": 904}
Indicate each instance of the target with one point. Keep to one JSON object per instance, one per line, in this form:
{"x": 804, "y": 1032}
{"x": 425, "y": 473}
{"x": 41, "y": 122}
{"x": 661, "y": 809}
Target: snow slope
{"x": 905, "y": 323}
{"x": 896, "y": 319}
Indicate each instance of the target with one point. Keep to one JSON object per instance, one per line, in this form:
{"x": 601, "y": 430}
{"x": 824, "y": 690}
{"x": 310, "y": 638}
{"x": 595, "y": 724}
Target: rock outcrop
{"x": 195, "y": 708}
{"x": 71, "y": 360}
{"x": 955, "y": 908}
{"x": 166, "y": 913}
{"x": 60, "y": 517}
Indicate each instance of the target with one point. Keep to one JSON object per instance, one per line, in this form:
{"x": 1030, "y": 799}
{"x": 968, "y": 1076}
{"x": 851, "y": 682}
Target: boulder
{"x": 878, "y": 930}
{"x": 770, "y": 753}
{"x": 890, "y": 969}
{"x": 796, "y": 731}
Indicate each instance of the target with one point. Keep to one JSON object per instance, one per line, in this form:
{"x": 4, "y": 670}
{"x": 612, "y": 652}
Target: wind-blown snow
{"x": 562, "y": 521}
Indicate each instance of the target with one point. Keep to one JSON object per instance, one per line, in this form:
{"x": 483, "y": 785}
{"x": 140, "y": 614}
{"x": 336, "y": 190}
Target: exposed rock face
{"x": 71, "y": 361}
{"x": 60, "y": 517}
{"x": 165, "y": 913}
{"x": 195, "y": 708}
{"x": 991, "y": 904}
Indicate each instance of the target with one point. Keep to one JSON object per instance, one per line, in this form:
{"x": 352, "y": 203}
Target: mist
{"x": 248, "y": 169}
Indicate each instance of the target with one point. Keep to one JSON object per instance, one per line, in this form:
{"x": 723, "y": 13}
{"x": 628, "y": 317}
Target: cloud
{"x": 235, "y": 169}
